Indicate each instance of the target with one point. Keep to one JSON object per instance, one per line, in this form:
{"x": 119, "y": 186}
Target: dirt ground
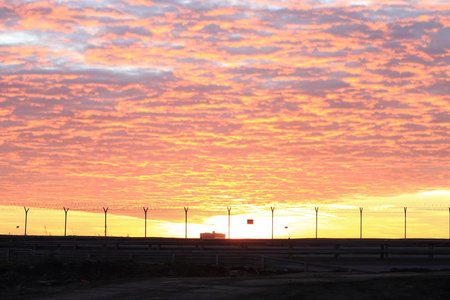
{"x": 435, "y": 285}
{"x": 55, "y": 280}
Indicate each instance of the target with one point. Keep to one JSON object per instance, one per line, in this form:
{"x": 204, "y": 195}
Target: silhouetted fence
{"x": 318, "y": 215}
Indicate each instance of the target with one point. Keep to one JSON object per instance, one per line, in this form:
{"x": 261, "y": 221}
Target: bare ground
{"x": 428, "y": 285}
{"x": 111, "y": 281}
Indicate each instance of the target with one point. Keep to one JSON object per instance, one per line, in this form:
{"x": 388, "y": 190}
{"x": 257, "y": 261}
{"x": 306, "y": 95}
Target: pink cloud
{"x": 177, "y": 101}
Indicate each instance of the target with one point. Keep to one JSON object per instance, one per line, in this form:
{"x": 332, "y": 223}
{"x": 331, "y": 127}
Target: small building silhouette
{"x": 212, "y": 235}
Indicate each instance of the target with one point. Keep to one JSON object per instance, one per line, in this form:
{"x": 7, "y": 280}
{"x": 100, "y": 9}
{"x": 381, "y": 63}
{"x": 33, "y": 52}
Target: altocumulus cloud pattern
{"x": 173, "y": 102}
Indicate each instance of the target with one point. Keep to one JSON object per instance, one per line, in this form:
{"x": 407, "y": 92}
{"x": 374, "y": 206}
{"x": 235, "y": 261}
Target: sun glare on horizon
{"x": 333, "y": 220}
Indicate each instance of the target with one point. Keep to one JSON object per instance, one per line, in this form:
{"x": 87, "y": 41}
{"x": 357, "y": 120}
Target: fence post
{"x": 337, "y": 251}
{"x": 145, "y": 213}
{"x": 317, "y": 210}
{"x": 26, "y": 218}
{"x": 65, "y": 220}
{"x": 405, "y": 208}
{"x": 360, "y": 222}
{"x": 106, "y": 212}
{"x": 272, "y": 208}
{"x": 229, "y": 220}
{"x": 384, "y": 251}
{"x": 185, "y": 221}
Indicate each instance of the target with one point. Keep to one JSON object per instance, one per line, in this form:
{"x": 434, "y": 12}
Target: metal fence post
{"x": 65, "y": 220}
{"x": 185, "y": 221}
{"x": 405, "y": 208}
{"x": 360, "y": 222}
{"x": 229, "y": 220}
{"x": 272, "y": 209}
{"x": 145, "y": 213}
{"x": 317, "y": 211}
{"x": 26, "y": 218}
{"x": 106, "y": 212}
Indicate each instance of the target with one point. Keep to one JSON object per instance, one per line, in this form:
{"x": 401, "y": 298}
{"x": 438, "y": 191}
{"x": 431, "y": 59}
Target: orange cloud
{"x": 176, "y": 103}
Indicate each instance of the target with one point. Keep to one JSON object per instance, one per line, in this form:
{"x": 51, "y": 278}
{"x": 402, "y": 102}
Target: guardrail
{"x": 22, "y": 248}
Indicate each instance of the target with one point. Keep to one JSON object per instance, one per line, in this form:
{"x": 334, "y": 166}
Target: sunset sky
{"x": 208, "y": 104}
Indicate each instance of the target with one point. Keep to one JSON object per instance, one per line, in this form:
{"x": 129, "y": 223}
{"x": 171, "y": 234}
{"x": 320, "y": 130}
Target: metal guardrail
{"x": 18, "y": 248}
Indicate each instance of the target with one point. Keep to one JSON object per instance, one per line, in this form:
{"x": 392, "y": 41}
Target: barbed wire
{"x": 303, "y": 207}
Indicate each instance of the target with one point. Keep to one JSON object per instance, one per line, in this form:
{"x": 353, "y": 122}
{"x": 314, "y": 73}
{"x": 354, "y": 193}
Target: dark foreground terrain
{"x": 54, "y": 279}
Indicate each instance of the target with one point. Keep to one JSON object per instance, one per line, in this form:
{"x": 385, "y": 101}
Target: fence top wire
{"x": 249, "y": 208}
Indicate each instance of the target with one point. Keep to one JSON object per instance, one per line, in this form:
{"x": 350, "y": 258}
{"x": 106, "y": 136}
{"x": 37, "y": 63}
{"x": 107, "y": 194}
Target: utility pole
{"x": 26, "y": 218}
{"x": 65, "y": 220}
{"x": 229, "y": 220}
{"x": 317, "y": 211}
{"x": 360, "y": 222}
{"x": 145, "y": 213}
{"x": 185, "y": 221}
{"x": 272, "y": 208}
{"x": 106, "y": 212}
